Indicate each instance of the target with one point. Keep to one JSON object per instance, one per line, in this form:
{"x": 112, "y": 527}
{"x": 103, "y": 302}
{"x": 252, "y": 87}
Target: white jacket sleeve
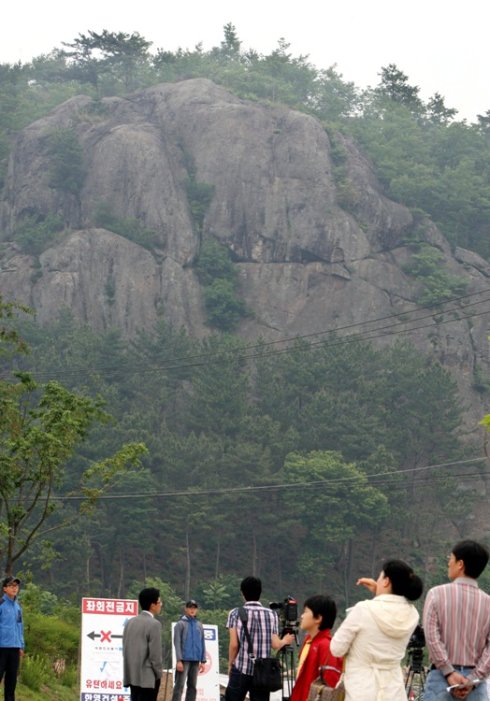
{"x": 342, "y": 640}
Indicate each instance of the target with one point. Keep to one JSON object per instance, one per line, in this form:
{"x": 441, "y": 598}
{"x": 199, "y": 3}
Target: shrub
{"x": 199, "y": 196}
{"x": 223, "y": 306}
{"x": 438, "y": 284}
{"x": 69, "y": 678}
{"x": 38, "y": 600}
{"x": 219, "y": 276}
{"x": 53, "y": 635}
{"x": 35, "y": 671}
{"x": 131, "y": 229}
{"x": 36, "y": 233}
{"x": 66, "y": 171}
{"x": 214, "y": 262}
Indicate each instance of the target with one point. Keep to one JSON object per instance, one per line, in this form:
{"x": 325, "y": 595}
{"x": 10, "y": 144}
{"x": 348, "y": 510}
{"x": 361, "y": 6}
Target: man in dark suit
{"x": 142, "y": 648}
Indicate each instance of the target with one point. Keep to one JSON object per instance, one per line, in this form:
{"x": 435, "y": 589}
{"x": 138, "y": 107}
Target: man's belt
{"x": 468, "y": 666}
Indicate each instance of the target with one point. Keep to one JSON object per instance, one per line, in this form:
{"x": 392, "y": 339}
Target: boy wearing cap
{"x": 11, "y": 635}
{"x": 190, "y": 652}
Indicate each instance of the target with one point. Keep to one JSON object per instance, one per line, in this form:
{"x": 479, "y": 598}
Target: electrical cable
{"x": 240, "y": 354}
{"x": 194, "y": 493}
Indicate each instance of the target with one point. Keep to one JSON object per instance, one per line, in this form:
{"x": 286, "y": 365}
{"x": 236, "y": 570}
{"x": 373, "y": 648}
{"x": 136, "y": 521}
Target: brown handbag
{"x": 319, "y": 691}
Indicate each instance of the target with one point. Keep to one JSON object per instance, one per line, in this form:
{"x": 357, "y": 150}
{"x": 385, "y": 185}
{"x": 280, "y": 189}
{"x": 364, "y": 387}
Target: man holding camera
{"x": 263, "y": 626}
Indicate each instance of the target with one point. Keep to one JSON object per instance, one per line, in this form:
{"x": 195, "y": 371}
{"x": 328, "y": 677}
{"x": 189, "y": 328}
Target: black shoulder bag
{"x": 267, "y": 674}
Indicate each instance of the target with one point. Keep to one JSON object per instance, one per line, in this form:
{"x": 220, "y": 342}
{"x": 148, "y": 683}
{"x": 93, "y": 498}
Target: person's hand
{"x": 179, "y": 666}
{"x": 201, "y": 667}
{"x": 457, "y": 678}
{"x": 288, "y": 639}
{"x": 21, "y": 652}
{"x": 368, "y": 583}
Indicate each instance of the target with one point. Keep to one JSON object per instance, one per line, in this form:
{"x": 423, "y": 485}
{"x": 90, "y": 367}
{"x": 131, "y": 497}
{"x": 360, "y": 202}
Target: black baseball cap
{"x": 10, "y": 580}
{"x": 191, "y": 603}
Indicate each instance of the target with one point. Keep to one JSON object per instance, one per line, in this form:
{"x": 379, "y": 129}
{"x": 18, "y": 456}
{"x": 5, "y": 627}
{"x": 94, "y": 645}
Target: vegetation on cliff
{"x": 424, "y": 156}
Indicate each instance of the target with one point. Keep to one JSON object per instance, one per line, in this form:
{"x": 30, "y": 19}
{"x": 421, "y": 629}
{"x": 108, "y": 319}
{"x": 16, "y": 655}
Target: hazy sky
{"x": 442, "y": 45}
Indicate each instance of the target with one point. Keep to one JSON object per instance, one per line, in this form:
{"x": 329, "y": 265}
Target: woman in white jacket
{"x": 375, "y": 634}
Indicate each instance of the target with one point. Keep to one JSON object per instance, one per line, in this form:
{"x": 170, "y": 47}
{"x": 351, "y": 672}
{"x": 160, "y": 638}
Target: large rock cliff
{"x": 318, "y": 245}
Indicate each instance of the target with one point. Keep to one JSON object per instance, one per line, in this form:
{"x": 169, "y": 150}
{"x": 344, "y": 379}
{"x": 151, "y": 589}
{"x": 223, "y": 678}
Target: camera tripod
{"x": 288, "y": 665}
{"x": 416, "y": 676}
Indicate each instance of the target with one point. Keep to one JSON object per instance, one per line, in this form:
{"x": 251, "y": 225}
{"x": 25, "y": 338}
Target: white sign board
{"x": 103, "y": 621}
{"x": 208, "y": 680}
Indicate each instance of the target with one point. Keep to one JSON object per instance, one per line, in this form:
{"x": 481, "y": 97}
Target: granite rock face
{"x": 317, "y": 243}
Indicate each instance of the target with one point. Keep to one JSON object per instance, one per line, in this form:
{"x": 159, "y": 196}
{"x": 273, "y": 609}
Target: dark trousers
{"x": 191, "y": 670}
{"x": 238, "y": 686}
{"x": 143, "y": 693}
{"x": 9, "y": 666}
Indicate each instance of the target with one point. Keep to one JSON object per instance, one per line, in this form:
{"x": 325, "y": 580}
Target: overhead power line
{"x": 268, "y": 348}
{"x": 389, "y": 478}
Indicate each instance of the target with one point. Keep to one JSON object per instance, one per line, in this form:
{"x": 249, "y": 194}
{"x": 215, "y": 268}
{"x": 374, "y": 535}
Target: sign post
{"x": 103, "y": 622}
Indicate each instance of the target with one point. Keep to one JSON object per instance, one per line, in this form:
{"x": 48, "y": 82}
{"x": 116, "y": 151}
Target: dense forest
{"x": 306, "y": 462}
{"x": 302, "y": 463}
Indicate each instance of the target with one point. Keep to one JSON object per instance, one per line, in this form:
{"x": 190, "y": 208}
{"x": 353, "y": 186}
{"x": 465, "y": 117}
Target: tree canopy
{"x": 41, "y": 427}
{"x": 321, "y": 444}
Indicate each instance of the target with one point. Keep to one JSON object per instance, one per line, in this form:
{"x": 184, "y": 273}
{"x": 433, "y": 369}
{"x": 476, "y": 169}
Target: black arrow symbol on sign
{"x": 94, "y": 635}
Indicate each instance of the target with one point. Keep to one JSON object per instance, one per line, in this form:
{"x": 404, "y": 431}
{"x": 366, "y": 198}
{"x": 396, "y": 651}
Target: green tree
{"x": 84, "y": 64}
{"x": 339, "y": 506}
{"x": 94, "y": 55}
{"x": 40, "y": 429}
{"x": 217, "y": 273}
{"x": 223, "y": 306}
{"x": 394, "y": 85}
{"x": 437, "y": 112}
{"x": 334, "y": 100}
{"x": 230, "y": 46}
{"x": 438, "y": 284}
{"x": 484, "y": 122}
{"x": 124, "y": 52}
{"x": 217, "y": 401}
{"x": 11, "y": 342}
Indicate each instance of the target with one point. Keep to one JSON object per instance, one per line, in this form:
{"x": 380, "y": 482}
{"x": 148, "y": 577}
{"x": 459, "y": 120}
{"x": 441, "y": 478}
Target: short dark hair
{"x": 404, "y": 581}
{"x": 147, "y": 597}
{"x": 474, "y": 555}
{"x": 251, "y": 588}
{"x": 324, "y": 606}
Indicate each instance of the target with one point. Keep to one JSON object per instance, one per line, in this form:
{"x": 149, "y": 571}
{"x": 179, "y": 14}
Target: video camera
{"x": 417, "y": 639}
{"x": 287, "y": 611}
{"x": 415, "y": 650}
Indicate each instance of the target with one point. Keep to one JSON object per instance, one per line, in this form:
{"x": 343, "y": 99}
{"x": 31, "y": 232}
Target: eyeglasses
{"x": 12, "y": 584}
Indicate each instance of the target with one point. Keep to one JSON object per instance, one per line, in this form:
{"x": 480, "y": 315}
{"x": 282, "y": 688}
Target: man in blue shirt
{"x": 190, "y": 652}
{"x": 11, "y": 635}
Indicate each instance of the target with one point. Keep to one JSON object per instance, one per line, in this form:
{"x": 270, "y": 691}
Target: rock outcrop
{"x": 318, "y": 245}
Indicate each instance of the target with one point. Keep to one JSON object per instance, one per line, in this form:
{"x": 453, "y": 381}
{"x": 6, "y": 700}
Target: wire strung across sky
{"x": 378, "y": 479}
{"x": 394, "y": 327}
